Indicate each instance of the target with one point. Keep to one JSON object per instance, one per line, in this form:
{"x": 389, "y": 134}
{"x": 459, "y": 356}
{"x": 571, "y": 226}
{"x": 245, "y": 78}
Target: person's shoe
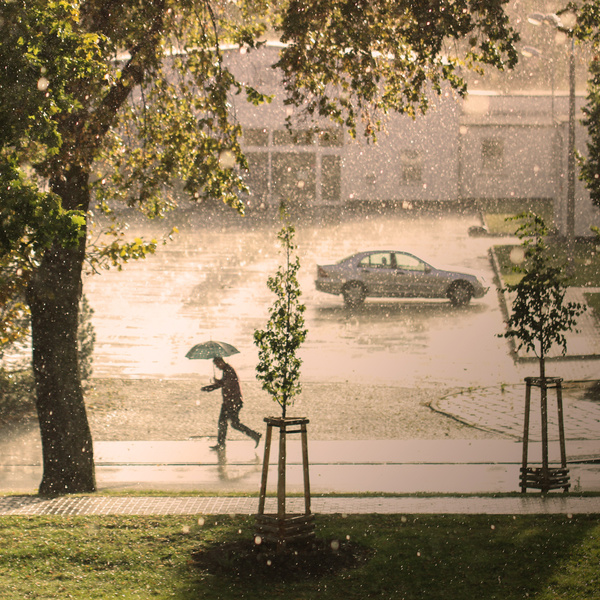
{"x": 257, "y": 440}
{"x": 218, "y": 447}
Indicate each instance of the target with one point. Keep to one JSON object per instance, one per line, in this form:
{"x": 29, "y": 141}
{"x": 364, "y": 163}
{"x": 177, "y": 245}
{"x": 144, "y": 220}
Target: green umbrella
{"x": 212, "y": 349}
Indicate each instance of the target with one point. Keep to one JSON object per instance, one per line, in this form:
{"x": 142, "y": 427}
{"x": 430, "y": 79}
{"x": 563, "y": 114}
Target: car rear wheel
{"x": 354, "y": 293}
{"x": 460, "y": 293}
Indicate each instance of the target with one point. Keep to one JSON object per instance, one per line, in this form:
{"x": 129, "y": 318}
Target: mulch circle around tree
{"x": 314, "y": 559}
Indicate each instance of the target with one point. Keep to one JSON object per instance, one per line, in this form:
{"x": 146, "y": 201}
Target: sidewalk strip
{"x": 76, "y": 506}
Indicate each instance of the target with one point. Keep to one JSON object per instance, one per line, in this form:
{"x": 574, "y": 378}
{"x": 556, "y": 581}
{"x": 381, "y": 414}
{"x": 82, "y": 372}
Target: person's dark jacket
{"x": 232, "y": 393}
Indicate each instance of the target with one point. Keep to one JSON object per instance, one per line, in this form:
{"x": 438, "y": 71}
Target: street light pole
{"x": 571, "y": 164}
{"x": 555, "y": 21}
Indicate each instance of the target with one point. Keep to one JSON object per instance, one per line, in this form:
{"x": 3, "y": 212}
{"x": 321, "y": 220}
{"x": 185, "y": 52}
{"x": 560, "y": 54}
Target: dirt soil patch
{"x": 314, "y": 559}
{"x": 155, "y": 409}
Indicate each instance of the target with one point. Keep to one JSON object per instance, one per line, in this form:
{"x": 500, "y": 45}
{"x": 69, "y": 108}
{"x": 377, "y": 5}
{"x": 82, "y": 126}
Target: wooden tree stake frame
{"x": 282, "y": 528}
{"x": 544, "y": 478}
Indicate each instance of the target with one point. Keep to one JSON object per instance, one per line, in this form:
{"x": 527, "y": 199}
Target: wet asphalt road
{"x": 210, "y": 283}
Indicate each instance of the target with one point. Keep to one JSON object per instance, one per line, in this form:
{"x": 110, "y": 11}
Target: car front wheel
{"x": 354, "y": 294}
{"x": 460, "y": 294}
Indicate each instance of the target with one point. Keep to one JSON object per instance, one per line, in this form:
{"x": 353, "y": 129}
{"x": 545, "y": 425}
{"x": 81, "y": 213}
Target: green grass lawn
{"x": 586, "y": 255}
{"x": 587, "y": 270}
{"x": 593, "y": 300}
{"x": 496, "y": 214}
{"x": 441, "y": 557}
{"x": 586, "y": 258}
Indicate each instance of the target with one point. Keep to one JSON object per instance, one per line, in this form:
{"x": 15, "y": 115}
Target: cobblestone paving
{"x": 501, "y": 409}
{"x": 99, "y": 505}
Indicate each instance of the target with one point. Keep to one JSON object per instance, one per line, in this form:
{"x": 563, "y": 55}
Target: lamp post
{"x": 571, "y": 164}
{"x": 555, "y": 21}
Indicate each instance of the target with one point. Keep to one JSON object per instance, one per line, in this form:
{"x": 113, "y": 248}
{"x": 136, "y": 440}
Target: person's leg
{"x": 234, "y": 418}
{"x": 222, "y": 434}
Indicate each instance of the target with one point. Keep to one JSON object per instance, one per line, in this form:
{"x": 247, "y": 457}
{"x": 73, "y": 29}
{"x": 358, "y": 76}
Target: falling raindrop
{"x": 517, "y": 255}
{"x": 42, "y": 84}
{"x": 227, "y": 159}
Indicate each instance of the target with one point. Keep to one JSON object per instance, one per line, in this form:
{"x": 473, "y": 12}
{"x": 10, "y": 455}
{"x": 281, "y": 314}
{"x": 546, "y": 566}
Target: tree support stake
{"x": 544, "y": 478}
{"x": 283, "y": 527}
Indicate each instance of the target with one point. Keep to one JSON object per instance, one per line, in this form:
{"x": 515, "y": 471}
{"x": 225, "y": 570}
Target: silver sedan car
{"x": 392, "y": 274}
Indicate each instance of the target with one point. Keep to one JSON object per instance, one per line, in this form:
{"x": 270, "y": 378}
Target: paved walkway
{"x": 501, "y": 408}
{"x": 98, "y": 505}
{"x": 341, "y": 467}
{"x": 384, "y": 466}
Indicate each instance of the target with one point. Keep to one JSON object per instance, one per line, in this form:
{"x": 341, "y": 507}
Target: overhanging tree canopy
{"x": 106, "y": 100}
{"x": 355, "y": 61}
{"x": 587, "y": 28}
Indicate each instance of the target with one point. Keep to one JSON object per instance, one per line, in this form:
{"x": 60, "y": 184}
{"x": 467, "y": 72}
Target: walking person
{"x": 232, "y": 404}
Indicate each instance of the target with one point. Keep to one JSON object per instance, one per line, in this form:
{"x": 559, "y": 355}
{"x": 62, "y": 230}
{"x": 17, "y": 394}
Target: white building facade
{"x": 486, "y": 147}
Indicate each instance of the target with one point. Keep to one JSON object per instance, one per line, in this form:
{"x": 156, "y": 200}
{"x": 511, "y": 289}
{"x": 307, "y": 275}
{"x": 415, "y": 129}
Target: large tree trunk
{"x": 53, "y": 298}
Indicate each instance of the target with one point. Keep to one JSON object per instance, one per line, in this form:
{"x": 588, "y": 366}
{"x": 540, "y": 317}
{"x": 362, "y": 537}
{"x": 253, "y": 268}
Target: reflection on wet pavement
{"x": 210, "y": 283}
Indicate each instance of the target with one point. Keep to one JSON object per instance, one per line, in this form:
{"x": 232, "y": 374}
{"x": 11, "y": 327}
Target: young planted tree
{"x": 540, "y": 317}
{"x": 121, "y": 100}
{"x": 279, "y": 370}
{"x": 278, "y": 364}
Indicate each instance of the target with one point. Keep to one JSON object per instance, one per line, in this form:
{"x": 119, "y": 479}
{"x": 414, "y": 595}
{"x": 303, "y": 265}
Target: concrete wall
{"x": 413, "y": 160}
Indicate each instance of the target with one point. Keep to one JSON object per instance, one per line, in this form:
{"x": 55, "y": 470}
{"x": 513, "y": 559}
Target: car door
{"x": 412, "y": 277}
{"x": 377, "y": 274}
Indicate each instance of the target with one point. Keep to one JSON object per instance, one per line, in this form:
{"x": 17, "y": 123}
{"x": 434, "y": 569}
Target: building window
{"x": 492, "y": 154}
{"x": 298, "y": 137}
{"x": 293, "y": 177}
{"x": 331, "y": 178}
{"x": 329, "y": 138}
{"x": 256, "y": 137}
{"x": 257, "y": 177}
{"x": 412, "y": 167}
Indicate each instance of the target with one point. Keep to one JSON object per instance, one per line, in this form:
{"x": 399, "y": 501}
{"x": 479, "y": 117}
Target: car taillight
{"x": 321, "y": 272}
